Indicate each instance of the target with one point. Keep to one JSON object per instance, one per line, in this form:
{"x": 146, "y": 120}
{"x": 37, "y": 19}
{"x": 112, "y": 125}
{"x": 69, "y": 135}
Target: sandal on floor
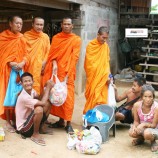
{"x": 69, "y": 129}
{"x": 56, "y": 125}
{"x": 154, "y": 146}
{"x": 137, "y": 141}
{"x": 38, "y": 141}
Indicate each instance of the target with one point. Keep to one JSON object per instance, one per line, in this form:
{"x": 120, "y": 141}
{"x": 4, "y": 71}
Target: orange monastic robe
{"x": 65, "y": 49}
{"x": 97, "y": 69}
{"x": 12, "y": 49}
{"x": 38, "y": 45}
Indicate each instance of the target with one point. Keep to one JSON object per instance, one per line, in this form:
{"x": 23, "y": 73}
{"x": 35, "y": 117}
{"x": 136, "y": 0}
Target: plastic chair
{"x": 104, "y": 127}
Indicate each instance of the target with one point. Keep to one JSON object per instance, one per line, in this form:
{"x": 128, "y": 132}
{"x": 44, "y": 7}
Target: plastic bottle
{"x": 2, "y": 134}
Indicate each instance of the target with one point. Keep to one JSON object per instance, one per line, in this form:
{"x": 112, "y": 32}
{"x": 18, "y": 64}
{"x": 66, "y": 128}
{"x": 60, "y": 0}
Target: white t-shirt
{"x": 24, "y": 106}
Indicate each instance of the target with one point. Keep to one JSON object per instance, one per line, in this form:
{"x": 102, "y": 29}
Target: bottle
{"x": 2, "y": 134}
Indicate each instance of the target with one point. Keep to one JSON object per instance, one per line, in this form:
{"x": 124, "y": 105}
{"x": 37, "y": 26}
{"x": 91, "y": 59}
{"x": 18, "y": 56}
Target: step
{"x": 154, "y": 83}
{"x": 148, "y": 65}
{"x": 148, "y": 73}
{"x": 150, "y": 48}
{"x": 147, "y": 56}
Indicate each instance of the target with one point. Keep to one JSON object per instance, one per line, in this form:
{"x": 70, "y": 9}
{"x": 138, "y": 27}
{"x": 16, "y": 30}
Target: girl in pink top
{"x": 145, "y": 126}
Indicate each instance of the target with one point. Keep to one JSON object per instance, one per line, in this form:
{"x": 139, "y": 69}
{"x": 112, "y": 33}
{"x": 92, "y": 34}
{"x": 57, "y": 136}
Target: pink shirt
{"x": 24, "y": 106}
{"x": 148, "y": 118}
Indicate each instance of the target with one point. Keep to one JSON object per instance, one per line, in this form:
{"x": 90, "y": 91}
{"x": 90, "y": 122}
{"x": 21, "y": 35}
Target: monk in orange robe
{"x": 64, "y": 54}
{"x": 38, "y": 45}
{"x": 13, "y": 55}
{"x": 97, "y": 70}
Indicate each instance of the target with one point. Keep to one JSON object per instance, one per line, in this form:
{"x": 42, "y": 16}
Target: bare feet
{"x": 10, "y": 128}
{"x": 45, "y": 130}
{"x": 38, "y": 140}
{"x": 154, "y": 146}
{"x": 137, "y": 141}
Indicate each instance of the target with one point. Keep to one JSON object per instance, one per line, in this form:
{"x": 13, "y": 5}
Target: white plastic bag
{"x": 93, "y": 135}
{"x": 58, "y": 93}
{"x": 111, "y": 95}
{"x": 91, "y": 142}
{"x": 72, "y": 140}
{"x": 87, "y": 147}
{"x": 97, "y": 138}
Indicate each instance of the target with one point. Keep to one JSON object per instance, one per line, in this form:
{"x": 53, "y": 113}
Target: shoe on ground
{"x": 69, "y": 129}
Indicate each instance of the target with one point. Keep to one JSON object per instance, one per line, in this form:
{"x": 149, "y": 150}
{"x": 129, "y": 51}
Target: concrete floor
{"x": 120, "y": 146}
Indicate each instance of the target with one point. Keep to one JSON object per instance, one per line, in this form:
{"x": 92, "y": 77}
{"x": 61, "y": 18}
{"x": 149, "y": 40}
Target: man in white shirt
{"x": 31, "y": 113}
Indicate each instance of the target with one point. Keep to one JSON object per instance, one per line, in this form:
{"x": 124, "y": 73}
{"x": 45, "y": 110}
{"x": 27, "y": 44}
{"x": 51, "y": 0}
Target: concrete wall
{"x": 96, "y": 15}
{"x": 88, "y": 16}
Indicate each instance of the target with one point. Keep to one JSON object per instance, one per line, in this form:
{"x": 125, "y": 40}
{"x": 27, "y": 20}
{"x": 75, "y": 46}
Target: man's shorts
{"x": 28, "y": 127}
{"x": 154, "y": 132}
{"x": 128, "y": 115}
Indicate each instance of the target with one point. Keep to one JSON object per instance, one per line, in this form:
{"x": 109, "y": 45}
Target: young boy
{"x": 31, "y": 113}
{"x": 124, "y": 112}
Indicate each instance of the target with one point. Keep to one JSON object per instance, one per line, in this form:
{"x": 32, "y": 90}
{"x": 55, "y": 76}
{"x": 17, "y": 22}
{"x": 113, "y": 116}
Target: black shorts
{"x": 28, "y": 127}
{"x": 128, "y": 115}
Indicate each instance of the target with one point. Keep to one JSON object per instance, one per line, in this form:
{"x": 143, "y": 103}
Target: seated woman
{"x": 145, "y": 126}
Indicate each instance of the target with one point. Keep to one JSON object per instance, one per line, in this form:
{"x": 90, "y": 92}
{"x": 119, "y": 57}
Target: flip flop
{"x": 56, "y": 125}
{"x": 154, "y": 146}
{"x": 137, "y": 141}
{"x": 38, "y": 141}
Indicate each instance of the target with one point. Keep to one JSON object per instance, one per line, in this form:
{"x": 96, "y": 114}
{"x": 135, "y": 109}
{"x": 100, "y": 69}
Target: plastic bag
{"x": 97, "y": 138}
{"x": 111, "y": 95}
{"x": 125, "y": 46}
{"x": 127, "y": 73}
{"x": 87, "y": 147}
{"x": 13, "y": 88}
{"x": 94, "y": 115}
{"x": 93, "y": 135}
{"x": 86, "y": 141}
{"x": 72, "y": 140}
{"x": 91, "y": 142}
{"x": 58, "y": 93}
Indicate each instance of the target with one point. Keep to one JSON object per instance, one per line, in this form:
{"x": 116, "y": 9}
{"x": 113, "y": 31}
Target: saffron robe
{"x": 65, "y": 49}
{"x": 38, "y": 46}
{"x": 97, "y": 70}
{"x": 12, "y": 49}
